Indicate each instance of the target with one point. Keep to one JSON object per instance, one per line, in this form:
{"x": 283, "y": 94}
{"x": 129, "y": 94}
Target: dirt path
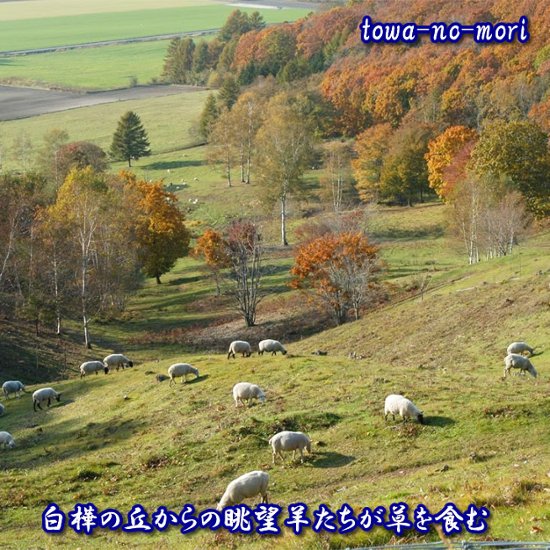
{"x": 16, "y": 102}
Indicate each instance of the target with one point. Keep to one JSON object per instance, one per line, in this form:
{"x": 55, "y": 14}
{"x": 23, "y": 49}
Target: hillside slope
{"x": 29, "y": 357}
{"x": 123, "y": 439}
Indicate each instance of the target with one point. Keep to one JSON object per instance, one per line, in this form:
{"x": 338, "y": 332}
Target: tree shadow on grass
{"x": 64, "y": 440}
{"x": 172, "y": 164}
{"x": 329, "y": 459}
{"x": 439, "y": 421}
{"x": 184, "y": 280}
{"x": 401, "y": 233}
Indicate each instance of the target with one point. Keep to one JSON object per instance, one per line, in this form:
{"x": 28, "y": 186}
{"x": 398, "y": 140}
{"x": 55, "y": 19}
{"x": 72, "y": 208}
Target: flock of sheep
{"x": 252, "y": 483}
{"x": 46, "y": 396}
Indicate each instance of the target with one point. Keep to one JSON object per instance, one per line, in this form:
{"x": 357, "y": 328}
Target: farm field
{"x": 58, "y": 23}
{"x": 23, "y": 102}
{"x": 102, "y": 68}
{"x": 24, "y": 34}
{"x": 31, "y": 9}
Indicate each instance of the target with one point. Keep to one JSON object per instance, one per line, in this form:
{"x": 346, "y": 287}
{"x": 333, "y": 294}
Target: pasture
{"x": 167, "y": 120}
{"x": 121, "y": 439}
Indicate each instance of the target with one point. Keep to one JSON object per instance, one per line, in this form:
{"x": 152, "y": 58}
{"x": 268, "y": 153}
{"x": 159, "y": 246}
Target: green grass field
{"x": 11, "y": 11}
{"x": 125, "y": 439}
{"x": 91, "y": 27}
{"x": 166, "y": 119}
{"x": 102, "y": 68}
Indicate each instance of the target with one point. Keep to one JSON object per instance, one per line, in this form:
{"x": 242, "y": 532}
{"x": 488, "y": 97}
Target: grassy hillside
{"x": 167, "y": 121}
{"x": 485, "y": 440}
{"x": 122, "y": 439}
{"x": 25, "y": 355}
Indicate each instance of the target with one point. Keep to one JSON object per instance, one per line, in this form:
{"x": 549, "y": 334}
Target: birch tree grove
{"x": 81, "y": 204}
{"x": 466, "y": 214}
{"x": 285, "y": 148}
{"x": 247, "y": 113}
{"x": 223, "y": 146}
{"x": 337, "y": 162}
{"x": 488, "y": 218}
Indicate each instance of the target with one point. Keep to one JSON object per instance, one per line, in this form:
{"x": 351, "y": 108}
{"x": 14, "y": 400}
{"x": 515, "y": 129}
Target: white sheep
{"x": 6, "y": 440}
{"x": 516, "y": 361}
{"x": 2, "y": 409}
{"x": 44, "y": 395}
{"x": 271, "y": 345}
{"x": 520, "y": 348}
{"x": 246, "y": 391}
{"x": 247, "y": 486}
{"x": 118, "y": 361}
{"x": 405, "y": 408}
{"x": 290, "y": 441}
{"x": 181, "y": 369}
{"x": 239, "y": 346}
{"x": 92, "y": 366}
{"x": 12, "y": 386}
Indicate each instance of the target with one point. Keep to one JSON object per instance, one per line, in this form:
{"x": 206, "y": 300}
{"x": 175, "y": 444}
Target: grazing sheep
{"x": 246, "y": 391}
{"x": 405, "y": 408}
{"x": 181, "y": 369}
{"x": 239, "y": 346}
{"x": 13, "y": 386}
{"x": 6, "y": 440}
{"x": 92, "y": 366}
{"x": 2, "y": 409}
{"x": 44, "y": 395}
{"x": 118, "y": 361}
{"x": 247, "y": 486}
{"x": 290, "y": 441}
{"x": 271, "y": 345}
{"x": 519, "y": 348}
{"x": 161, "y": 377}
{"x": 516, "y": 361}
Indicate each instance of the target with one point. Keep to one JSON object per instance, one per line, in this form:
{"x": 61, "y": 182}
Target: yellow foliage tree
{"x": 441, "y": 152}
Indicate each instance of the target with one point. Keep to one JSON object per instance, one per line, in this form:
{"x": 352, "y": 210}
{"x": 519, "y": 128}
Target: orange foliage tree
{"x": 339, "y": 269}
{"x": 441, "y": 152}
{"x": 159, "y": 226}
{"x": 214, "y": 249}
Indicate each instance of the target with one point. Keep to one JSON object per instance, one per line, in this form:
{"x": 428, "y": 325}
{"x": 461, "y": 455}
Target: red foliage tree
{"x": 338, "y": 269}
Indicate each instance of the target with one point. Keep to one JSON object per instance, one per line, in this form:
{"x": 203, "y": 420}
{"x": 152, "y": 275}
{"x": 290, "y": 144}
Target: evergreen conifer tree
{"x": 130, "y": 139}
